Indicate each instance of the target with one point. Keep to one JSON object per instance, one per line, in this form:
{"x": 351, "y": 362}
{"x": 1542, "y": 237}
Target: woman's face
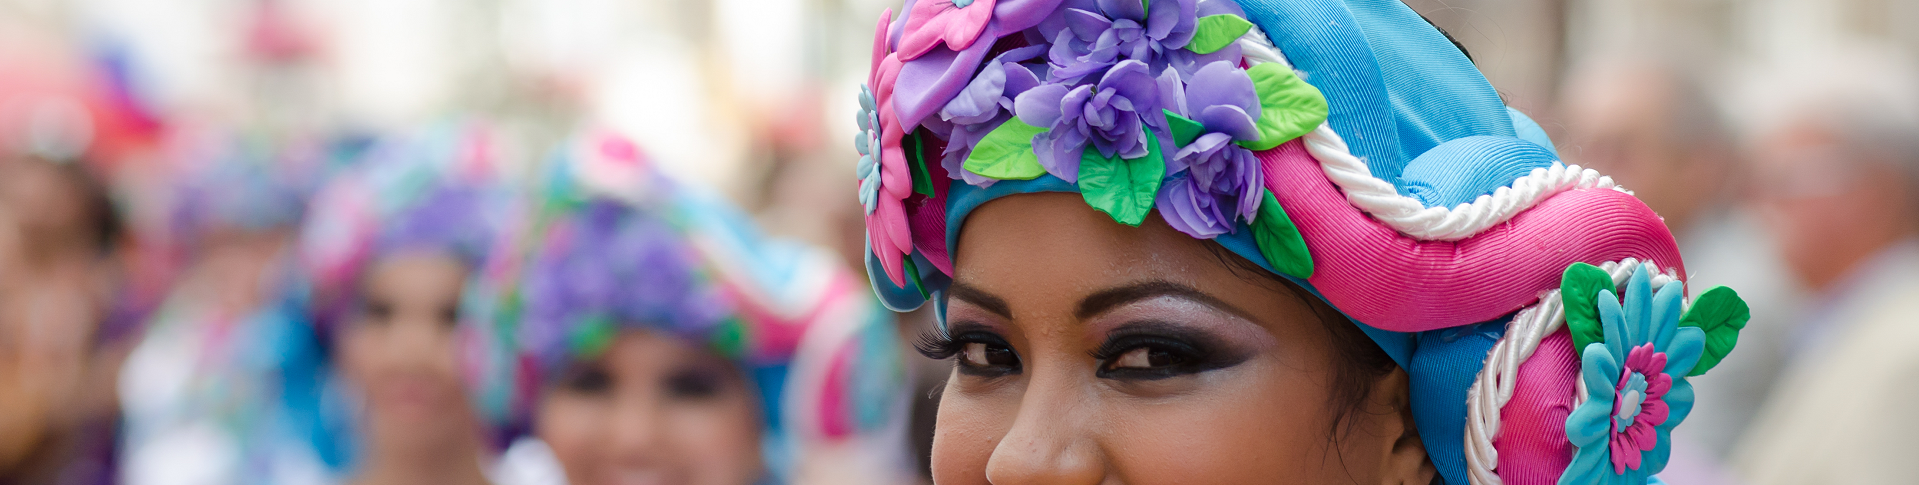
{"x": 1090, "y": 352}
{"x": 653, "y": 409}
{"x": 399, "y": 348}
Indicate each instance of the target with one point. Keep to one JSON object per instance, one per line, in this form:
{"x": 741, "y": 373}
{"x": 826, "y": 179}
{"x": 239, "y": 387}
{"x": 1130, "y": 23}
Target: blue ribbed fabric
{"x": 1397, "y": 87}
{"x": 1442, "y": 371}
{"x": 1436, "y": 180}
{"x": 1437, "y": 94}
{"x": 1323, "y": 42}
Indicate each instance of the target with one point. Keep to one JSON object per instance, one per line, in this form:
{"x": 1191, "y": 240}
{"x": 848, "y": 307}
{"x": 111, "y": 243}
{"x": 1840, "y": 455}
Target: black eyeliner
{"x": 1197, "y": 350}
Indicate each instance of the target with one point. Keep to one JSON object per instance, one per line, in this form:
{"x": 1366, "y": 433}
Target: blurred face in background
{"x": 653, "y": 409}
{"x": 54, "y": 293}
{"x": 400, "y": 350}
{"x": 1829, "y": 206}
{"x": 59, "y": 211}
{"x": 1627, "y": 121}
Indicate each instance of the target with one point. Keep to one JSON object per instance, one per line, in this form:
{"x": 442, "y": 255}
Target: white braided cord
{"x": 1496, "y": 382}
{"x": 1411, "y": 217}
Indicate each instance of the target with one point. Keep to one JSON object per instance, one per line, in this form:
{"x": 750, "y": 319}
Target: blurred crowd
{"x": 261, "y": 290}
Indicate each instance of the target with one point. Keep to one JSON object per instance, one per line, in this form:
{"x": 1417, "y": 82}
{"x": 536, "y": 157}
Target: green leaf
{"x": 1215, "y": 32}
{"x": 913, "y": 277}
{"x": 1184, "y": 129}
{"x": 1288, "y": 106}
{"x": 730, "y": 338}
{"x": 1279, "y": 240}
{"x": 916, "y": 156}
{"x": 1579, "y": 292}
{"x": 1123, "y": 189}
{"x": 1007, "y": 153}
{"x": 593, "y": 336}
{"x": 1722, "y": 314}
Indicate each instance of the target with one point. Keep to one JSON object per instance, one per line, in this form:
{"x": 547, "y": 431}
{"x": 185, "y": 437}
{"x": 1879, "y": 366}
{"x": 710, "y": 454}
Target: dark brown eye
{"x": 981, "y": 354}
{"x": 988, "y": 359}
{"x": 587, "y": 380}
{"x": 695, "y": 384}
{"x": 450, "y": 316}
{"x": 376, "y": 312}
{"x": 1145, "y": 358}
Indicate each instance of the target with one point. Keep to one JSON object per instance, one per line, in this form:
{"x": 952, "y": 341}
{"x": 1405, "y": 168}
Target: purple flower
{"x": 930, "y": 75}
{"x": 1223, "y": 175}
{"x": 1089, "y": 36}
{"x": 983, "y": 106}
{"x": 1112, "y": 116}
{"x": 1225, "y": 170}
{"x": 613, "y": 264}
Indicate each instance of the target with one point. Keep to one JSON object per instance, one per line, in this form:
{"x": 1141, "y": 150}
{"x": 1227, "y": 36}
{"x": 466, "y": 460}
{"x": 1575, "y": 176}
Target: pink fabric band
{"x": 1393, "y": 282}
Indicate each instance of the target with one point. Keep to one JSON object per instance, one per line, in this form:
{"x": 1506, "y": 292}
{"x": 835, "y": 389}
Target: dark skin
{"x": 1091, "y": 352}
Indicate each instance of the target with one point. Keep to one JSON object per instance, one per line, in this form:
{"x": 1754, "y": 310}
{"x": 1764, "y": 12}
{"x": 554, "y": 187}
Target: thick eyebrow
{"x": 981, "y": 298}
{"x": 1111, "y": 298}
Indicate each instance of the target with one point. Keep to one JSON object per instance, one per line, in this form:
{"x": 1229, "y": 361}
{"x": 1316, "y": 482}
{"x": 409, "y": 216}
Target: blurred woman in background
{"x": 668, "y": 341}
{"x": 390, "y": 246}
{"x": 65, "y": 308}
{"x": 201, "y": 391}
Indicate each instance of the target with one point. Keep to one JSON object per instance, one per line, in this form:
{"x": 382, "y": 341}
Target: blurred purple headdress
{"x": 438, "y": 190}
{"x": 617, "y": 246}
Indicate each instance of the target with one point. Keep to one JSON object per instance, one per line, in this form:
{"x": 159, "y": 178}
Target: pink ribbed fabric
{"x": 1532, "y": 444}
{"x": 1393, "y": 282}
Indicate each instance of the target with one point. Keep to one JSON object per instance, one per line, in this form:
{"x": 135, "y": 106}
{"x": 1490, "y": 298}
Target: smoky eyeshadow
{"x": 1185, "y": 350}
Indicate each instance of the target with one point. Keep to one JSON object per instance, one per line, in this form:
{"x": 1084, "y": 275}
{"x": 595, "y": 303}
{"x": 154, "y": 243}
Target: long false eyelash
{"x": 937, "y": 345}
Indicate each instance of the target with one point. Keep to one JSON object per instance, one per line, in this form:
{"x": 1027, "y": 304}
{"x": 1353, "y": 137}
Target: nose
{"x": 1051, "y": 442}
{"x": 637, "y": 433}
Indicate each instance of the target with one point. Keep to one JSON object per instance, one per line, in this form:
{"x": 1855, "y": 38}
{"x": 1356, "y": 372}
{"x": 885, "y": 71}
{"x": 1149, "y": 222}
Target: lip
{"x": 642, "y": 476}
{"x": 413, "y": 395}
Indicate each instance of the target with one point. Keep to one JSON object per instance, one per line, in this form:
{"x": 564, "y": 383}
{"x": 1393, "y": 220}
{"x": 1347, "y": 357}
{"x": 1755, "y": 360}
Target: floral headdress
{"x": 436, "y": 190}
{"x": 617, "y": 245}
{"x": 1345, "y": 145}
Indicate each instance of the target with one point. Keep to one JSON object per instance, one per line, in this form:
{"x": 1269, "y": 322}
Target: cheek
{"x": 967, "y": 429}
{"x": 359, "y": 351}
{"x": 720, "y": 439}
{"x": 571, "y": 426}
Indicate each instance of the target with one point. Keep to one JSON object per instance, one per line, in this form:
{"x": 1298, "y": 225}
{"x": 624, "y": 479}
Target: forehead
{"x": 415, "y": 270}
{"x": 1049, "y": 250}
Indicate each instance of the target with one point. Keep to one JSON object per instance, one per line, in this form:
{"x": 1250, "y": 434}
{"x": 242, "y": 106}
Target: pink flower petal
{"x": 1653, "y": 413}
{"x": 1642, "y": 437}
{"x": 933, "y": 22}
{"x": 1620, "y": 454}
{"x": 891, "y": 238}
{"x": 1657, "y": 385}
{"x": 1639, "y": 358}
{"x": 879, "y": 42}
{"x": 895, "y": 178}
